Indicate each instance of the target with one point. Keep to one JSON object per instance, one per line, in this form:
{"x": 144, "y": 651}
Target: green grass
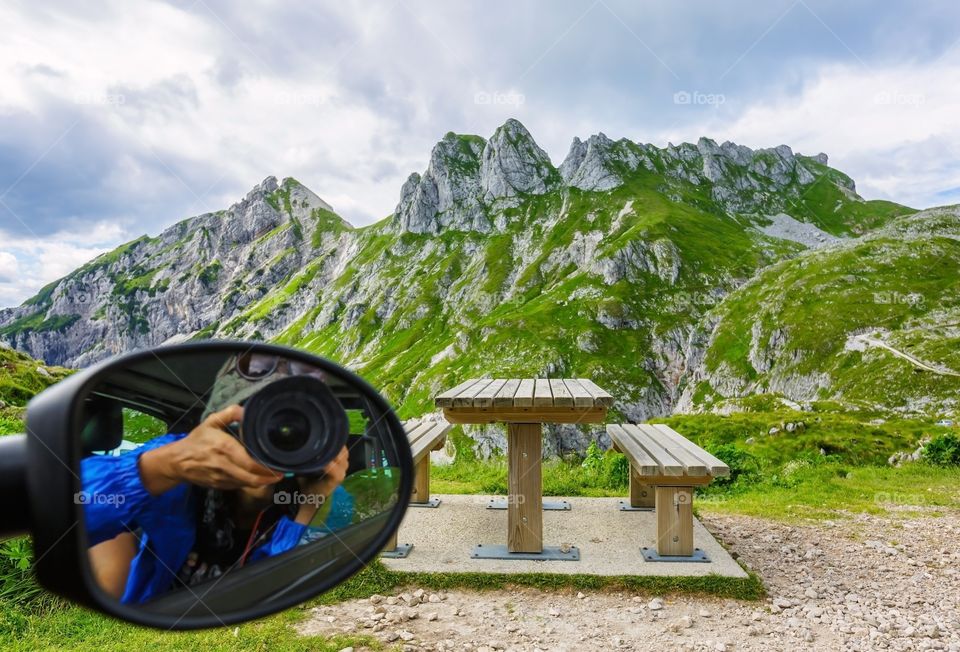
{"x": 804, "y": 491}
{"x": 20, "y": 379}
{"x": 75, "y": 628}
{"x": 140, "y": 428}
{"x": 792, "y": 486}
{"x": 856, "y": 438}
{"x": 377, "y": 579}
{"x": 37, "y": 323}
{"x": 800, "y": 489}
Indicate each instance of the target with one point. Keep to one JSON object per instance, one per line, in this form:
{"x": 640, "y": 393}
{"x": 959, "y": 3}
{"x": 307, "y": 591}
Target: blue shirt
{"x": 115, "y": 501}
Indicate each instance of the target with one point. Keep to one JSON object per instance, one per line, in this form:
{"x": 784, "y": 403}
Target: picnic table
{"x": 524, "y": 405}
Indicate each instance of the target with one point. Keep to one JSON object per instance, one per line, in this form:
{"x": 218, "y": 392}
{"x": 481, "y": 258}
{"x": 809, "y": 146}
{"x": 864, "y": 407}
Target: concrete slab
{"x": 609, "y": 541}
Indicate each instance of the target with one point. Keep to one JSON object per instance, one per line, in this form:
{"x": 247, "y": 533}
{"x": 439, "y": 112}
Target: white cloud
{"x": 8, "y": 267}
{"x": 27, "y": 264}
{"x": 892, "y": 129}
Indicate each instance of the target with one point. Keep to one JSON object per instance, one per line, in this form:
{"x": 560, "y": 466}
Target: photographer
{"x": 200, "y": 505}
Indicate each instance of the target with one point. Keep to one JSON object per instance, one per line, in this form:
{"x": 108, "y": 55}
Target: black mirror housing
{"x": 58, "y": 417}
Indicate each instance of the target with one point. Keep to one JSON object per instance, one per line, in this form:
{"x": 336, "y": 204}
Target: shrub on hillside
{"x": 943, "y": 450}
{"x": 744, "y": 467}
{"x": 609, "y": 469}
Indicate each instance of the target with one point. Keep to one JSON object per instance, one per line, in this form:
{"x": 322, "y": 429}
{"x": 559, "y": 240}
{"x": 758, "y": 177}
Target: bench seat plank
{"x": 428, "y": 438}
{"x": 669, "y": 465}
{"x": 692, "y": 465}
{"x": 415, "y": 429}
{"x": 714, "y": 466}
{"x": 640, "y": 459}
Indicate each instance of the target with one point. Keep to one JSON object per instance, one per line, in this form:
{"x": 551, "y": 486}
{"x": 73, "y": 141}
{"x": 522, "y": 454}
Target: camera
{"x": 294, "y": 425}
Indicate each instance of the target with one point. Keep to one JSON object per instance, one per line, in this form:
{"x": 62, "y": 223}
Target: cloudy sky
{"x": 121, "y": 118}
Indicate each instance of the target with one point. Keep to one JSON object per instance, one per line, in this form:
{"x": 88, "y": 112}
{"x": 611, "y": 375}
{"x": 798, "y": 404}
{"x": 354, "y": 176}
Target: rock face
{"x": 494, "y": 262}
{"x": 592, "y": 165}
{"x": 512, "y": 163}
{"x": 448, "y": 195}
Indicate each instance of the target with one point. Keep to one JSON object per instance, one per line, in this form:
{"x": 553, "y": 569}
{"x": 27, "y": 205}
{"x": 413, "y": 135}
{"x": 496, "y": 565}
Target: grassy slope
{"x": 21, "y": 377}
{"x": 525, "y": 318}
{"x": 907, "y": 288}
{"x": 533, "y": 318}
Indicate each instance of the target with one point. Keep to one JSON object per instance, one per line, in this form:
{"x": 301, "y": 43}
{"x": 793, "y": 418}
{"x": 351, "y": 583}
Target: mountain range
{"x": 683, "y": 278}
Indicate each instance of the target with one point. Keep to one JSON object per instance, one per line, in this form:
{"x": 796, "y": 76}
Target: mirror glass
{"x": 218, "y": 480}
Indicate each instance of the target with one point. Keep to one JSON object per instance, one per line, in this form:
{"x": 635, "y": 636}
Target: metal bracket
{"x": 627, "y": 507}
{"x": 433, "y": 502}
{"x": 548, "y": 505}
{"x": 402, "y": 551}
{"x": 549, "y": 553}
{"x": 698, "y": 556}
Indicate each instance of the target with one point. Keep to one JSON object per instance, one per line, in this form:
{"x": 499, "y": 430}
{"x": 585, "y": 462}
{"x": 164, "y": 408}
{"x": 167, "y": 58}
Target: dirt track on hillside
{"x": 862, "y": 583}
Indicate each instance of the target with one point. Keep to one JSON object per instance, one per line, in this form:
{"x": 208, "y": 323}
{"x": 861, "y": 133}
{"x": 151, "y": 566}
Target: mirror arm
{"x": 14, "y": 500}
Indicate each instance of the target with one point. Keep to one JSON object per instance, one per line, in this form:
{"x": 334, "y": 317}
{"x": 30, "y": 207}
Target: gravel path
{"x": 864, "y": 583}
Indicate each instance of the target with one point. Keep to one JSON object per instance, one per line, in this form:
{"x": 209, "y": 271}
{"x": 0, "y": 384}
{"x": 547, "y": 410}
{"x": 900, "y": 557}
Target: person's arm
{"x": 110, "y": 563}
{"x": 113, "y": 493}
{"x": 208, "y": 457}
{"x": 341, "y": 510}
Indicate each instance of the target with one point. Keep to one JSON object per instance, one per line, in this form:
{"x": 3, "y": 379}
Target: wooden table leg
{"x": 421, "y": 481}
{"x": 525, "y": 499}
{"x": 674, "y": 521}
{"x": 391, "y": 543}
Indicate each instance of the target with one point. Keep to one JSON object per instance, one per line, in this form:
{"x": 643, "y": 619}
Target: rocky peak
{"x": 513, "y": 163}
{"x": 448, "y": 193}
{"x": 468, "y": 175}
{"x": 262, "y": 189}
{"x": 190, "y": 277}
{"x": 593, "y": 164}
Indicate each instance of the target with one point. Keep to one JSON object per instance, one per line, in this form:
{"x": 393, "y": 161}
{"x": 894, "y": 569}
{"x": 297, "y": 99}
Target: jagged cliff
{"x": 613, "y": 264}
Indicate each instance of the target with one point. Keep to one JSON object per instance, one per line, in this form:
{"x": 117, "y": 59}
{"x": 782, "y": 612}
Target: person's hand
{"x": 319, "y": 489}
{"x": 208, "y": 456}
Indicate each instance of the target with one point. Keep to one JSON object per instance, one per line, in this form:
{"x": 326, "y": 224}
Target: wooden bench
{"x": 424, "y": 436}
{"x": 664, "y": 469}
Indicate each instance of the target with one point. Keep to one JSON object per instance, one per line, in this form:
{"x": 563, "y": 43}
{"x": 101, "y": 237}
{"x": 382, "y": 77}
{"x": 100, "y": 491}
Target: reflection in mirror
{"x": 217, "y": 481}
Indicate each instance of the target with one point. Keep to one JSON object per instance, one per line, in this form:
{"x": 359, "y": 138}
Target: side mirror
{"x": 205, "y": 484}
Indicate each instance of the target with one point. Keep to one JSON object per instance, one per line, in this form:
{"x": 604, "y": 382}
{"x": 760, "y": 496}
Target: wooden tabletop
{"x": 525, "y": 392}
{"x": 557, "y": 400}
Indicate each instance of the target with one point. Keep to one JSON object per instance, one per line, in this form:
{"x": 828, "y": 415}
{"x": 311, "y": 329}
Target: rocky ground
{"x": 862, "y": 583}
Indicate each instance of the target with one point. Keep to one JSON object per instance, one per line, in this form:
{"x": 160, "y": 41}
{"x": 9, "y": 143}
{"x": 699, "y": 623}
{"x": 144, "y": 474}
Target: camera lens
{"x": 295, "y": 424}
{"x": 288, "y": 429}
